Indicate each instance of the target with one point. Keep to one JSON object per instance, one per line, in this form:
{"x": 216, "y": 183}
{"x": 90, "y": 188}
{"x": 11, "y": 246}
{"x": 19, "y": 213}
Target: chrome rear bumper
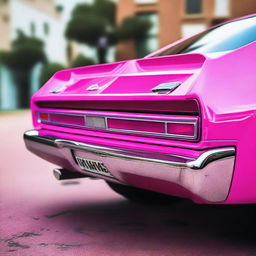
{"x": 208, "y": 176}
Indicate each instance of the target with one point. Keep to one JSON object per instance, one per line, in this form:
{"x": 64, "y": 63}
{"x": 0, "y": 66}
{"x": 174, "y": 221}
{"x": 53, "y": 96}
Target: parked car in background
{"x": 179, "y": 122}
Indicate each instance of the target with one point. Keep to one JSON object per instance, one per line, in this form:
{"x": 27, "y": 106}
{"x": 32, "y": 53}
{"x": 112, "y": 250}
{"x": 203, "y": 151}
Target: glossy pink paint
{"x": 222, "y": 88}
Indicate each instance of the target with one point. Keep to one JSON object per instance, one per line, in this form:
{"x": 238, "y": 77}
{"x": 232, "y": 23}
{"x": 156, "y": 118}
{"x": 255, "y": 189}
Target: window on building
{"x": 145, "y": 1}
{"x": 59, "y": 8}
{"x": 192, "y": 29}
{"x": 193, "y": 6}
{"x": 221, "y": 8}
{"x": 46, "y": 29}
{"x": 32, "y": 29}
{"x": 150, "y": 43}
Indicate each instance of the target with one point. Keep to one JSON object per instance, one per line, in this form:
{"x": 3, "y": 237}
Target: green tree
{"x": 95, "y": 25}
{"x": 25, "y": 53}
{"x": 81, "y": 60}
{"x": 51, "y": 68}
{"x": 48, "y": 71}
{"x": 134, "y": 28}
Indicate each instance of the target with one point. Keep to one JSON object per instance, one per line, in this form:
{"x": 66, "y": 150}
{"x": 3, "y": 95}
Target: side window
{"x": 46, "y": 28}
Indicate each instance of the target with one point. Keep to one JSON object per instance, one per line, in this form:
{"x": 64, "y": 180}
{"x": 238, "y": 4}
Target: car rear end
{"x": 110, "y": 122}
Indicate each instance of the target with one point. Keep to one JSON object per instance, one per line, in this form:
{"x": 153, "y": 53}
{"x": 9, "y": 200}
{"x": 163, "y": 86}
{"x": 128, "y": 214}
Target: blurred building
{"x": 174, "y": 19}
{"x": 44, "y": 19}
{"x": 39, "y": 18}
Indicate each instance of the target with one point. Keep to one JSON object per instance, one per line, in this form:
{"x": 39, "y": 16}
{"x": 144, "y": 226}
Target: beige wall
{"x": 5, "y": 37}
{"x": 46, "y": 6}
{"x": 172, "y": 16}
{"x": 169, "y": 12}
{"x": 242, "y": 7}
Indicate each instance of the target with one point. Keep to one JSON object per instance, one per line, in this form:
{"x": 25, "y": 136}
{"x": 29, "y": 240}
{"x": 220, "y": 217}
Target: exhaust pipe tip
{"x": 63, "y": 174}
{"x": 57, "y": 173}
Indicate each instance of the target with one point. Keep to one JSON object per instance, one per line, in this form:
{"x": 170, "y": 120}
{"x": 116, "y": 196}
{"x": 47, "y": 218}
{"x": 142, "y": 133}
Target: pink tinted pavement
{"x": 41, "y": 216}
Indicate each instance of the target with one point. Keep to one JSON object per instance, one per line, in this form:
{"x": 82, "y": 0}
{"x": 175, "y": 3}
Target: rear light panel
{"x": 148, "y": 126}
{"x": 67, "y": 119}
{"x": 166, "y": 106}
{"x": 181, "y": 128}
{"x": 178, "y": 127}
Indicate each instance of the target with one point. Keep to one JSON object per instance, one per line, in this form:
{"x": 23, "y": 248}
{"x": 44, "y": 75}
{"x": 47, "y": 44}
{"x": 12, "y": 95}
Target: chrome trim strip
{"x": 196, "y": 164}
{"x": 106, "y": 117}
{"x": 211, "y": 156}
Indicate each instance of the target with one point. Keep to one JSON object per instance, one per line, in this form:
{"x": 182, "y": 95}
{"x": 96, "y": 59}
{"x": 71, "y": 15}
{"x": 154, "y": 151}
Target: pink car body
{"x": 193, "y": 136}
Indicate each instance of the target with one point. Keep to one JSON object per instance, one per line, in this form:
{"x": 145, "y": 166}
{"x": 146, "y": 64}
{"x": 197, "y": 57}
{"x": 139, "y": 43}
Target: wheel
{"x": 141, "y": 195}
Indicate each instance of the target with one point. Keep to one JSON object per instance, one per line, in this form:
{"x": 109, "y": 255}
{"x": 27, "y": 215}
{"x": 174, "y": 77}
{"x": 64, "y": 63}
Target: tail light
{"x": 178, "y": 127}
{"x": 44, "y": 117}
{"x": 182, "y": 129}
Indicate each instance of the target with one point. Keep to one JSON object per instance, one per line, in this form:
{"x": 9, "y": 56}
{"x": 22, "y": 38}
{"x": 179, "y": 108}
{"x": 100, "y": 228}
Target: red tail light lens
{"x": 182, "y": 129}
{"x": 44, "y": 117}
{"x": 67, "y": 119}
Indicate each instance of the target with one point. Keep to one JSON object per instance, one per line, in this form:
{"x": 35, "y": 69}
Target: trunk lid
{"x": 133, "y": 77}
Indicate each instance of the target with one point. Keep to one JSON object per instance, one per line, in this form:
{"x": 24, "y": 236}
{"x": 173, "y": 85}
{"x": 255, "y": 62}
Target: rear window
{"x": 226, "y": 37}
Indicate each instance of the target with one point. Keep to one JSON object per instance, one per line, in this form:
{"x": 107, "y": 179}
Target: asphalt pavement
{"x": 40, "y": 216}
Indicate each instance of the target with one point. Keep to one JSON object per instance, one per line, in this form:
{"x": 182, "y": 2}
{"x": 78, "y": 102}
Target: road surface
{"x": 42, "y": 216}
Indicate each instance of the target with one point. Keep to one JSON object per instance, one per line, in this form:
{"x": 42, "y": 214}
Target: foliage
{"x": 48, "y": 71}
{"x": 90, "y": 22}
{"x": 133, "y": 28}
{"x": 86, "y": 29}
{"x": 4, "y": 57}
{"x": 25, "y": 53}
{"x": 105, "y": 9}
{"x": 82, "y": 61}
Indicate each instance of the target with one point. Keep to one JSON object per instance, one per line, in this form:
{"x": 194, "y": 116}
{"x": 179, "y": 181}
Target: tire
{"x": 140, "y": 195}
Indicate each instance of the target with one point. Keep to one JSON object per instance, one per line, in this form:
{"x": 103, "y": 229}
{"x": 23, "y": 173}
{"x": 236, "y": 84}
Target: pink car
{"x": 180, "y": 122}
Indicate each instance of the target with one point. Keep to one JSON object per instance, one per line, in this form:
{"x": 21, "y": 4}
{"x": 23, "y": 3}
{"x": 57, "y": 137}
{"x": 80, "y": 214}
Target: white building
{"x": 46, "y": 20}
{"x": 40, "y": 19}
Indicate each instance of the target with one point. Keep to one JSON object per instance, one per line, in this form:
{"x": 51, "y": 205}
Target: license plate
{"x": 93, "y": 166}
